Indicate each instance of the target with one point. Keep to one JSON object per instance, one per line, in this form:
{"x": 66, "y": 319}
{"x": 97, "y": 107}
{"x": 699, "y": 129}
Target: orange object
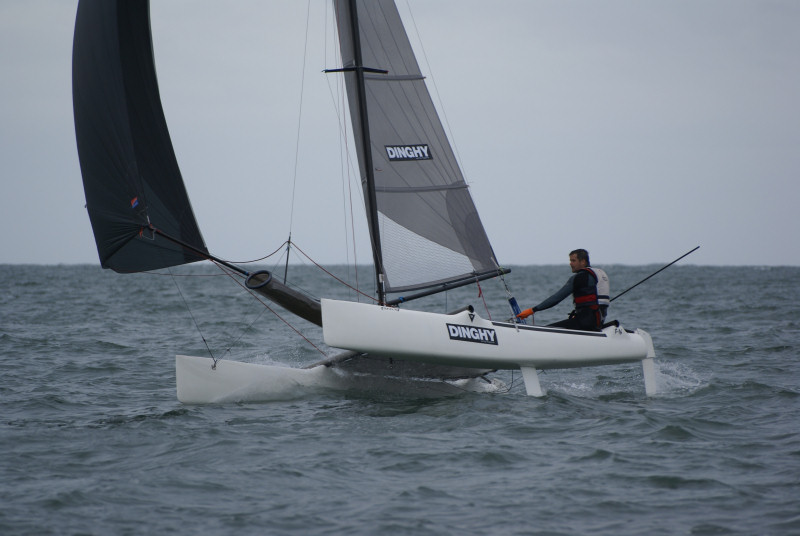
{"x": 525, "y": 314}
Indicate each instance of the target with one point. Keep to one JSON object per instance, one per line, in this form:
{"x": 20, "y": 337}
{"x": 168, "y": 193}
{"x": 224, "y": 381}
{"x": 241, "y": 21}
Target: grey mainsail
{"x": 425, "y": 228}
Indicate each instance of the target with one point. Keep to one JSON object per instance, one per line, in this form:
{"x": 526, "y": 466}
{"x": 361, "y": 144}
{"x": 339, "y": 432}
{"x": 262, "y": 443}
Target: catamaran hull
{"x": 201, "y": 381}
{"x": 467, "y": 340}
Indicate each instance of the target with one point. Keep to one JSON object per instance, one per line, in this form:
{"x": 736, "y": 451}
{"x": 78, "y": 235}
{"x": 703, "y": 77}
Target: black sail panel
{"x": 429, "y": 228}
{"x": 130, "y": 174}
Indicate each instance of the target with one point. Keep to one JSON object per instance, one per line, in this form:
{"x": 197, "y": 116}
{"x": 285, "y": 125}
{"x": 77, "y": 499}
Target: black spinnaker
{"x": 131, "y": 178}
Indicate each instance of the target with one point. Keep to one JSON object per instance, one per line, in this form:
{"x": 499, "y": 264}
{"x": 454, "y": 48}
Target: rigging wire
{"x": 299, "y": 118}
{"x": 262, "y": 258}
{"x": 346, "y": 181}
{"x": 509, "y": 296}
{"x": 333, "y": 276}
{"x": 226, "y": 271}
{"x": 440, "y": 104}
{"x": 346, "y": 161}
{"x": 196, "y": 325}
{"x": 481, "y": 296}
{"x": 343, "y": 161}
{"x": 347, "y": 171}
{"x": 282, "y": 319}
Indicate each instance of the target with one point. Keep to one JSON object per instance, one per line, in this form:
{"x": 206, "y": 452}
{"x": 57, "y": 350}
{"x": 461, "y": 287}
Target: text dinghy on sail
{"x": 415, "y": 196}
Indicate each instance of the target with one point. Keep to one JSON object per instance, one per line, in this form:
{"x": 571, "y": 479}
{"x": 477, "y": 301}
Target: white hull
{"x": 465, "y": 339}
{"x": 200, "y": 382}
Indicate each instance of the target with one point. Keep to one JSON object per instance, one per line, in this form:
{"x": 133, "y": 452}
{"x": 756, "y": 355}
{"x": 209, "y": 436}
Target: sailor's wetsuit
{"x": 583, "y": 287}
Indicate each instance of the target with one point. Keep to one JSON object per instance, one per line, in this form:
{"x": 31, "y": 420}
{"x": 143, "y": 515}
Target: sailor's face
{"x": 575, "y": 264}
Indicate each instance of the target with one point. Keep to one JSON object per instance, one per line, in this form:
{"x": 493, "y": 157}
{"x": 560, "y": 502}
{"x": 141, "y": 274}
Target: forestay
{"x": 424, "y": 226}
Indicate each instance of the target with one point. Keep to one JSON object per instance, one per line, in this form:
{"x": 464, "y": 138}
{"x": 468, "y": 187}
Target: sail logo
{"x": 472, "y": 334}
{"x": 408, "y": 152}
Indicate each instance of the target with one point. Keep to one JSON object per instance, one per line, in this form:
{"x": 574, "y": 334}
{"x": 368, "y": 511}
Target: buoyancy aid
{"x": 584, "y": 290}
{"x": 603, "y": 287}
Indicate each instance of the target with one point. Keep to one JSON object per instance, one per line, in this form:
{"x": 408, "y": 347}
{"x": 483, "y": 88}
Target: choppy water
{"x": 94, "y": 441}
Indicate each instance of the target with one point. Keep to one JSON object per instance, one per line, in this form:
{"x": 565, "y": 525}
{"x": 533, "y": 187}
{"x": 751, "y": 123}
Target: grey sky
{"x": 634, "y": 129}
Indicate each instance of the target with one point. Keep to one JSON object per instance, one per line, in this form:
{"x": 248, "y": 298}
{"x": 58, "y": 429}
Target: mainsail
{"x": 137, "y": 203}
{"x": 424, "y": 227}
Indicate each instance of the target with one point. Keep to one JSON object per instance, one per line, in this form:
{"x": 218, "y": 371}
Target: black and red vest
{"x": 584, "y": 291}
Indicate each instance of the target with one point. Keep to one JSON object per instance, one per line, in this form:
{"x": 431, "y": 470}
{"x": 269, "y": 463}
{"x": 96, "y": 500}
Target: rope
{"x": 509, "y": 296}
{"x": 243, "y": 331}
{"x": 196, "y": 325}
{"x": 346, "y": 162}
{"x": 299, "y": 119}
{"x": 481, "y": 296}
{"x": 333, "y": 276}
{"x": 257, "y": 260}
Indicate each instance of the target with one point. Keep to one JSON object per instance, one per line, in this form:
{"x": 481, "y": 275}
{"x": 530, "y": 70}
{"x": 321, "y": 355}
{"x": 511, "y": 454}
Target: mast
{"x": 372, "y": 201}
{"x": 416, "y": 197}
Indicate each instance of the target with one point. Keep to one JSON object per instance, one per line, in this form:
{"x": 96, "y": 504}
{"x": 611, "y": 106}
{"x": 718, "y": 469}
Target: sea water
{"x": 94, "y": 441}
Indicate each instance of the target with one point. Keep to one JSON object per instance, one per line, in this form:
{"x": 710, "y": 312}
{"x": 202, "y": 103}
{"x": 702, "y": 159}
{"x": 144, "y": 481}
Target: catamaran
{"x": 425, "y": 232}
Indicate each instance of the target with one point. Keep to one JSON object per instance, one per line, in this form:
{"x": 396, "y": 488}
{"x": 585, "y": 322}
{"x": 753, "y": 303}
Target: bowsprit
{"x": 472, "y": 334}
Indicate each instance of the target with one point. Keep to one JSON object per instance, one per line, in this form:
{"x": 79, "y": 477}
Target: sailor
{"x": 583, "y": 287}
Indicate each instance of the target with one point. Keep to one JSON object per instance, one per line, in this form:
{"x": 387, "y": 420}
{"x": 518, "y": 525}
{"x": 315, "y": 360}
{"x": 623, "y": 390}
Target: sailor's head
{"x": 578, "y": 259}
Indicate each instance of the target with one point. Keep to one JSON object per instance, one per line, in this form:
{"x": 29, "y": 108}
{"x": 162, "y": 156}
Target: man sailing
{"x": 583, "y": 285}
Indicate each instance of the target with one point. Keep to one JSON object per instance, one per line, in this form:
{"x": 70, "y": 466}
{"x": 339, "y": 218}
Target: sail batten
{"x": 130, "y": 174}
{"x": 411, "y": 189}
{"x": 427, "y": 226}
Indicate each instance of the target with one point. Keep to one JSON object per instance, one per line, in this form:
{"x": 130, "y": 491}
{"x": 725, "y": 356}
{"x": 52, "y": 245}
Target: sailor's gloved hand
{"x": 525, "y": 314}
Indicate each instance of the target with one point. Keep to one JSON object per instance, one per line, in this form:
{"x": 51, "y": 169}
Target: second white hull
{"x": 202, "y": 381}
